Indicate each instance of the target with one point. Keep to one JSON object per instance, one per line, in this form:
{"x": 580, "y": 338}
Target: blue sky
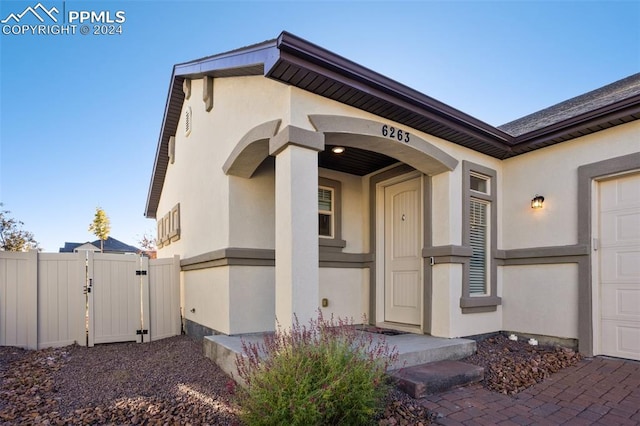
{"x": 80, "y": 115}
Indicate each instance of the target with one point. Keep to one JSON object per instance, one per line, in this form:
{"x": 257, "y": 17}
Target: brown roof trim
{"x": 172, "y": 111}
{"x": 450, "y": 124}
{"x": 247, "y": 61}
{"x": 354, "y": 72}
{"x": 235, "y": 62}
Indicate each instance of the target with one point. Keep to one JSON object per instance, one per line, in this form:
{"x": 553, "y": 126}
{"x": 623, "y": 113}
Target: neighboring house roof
{"x": 83, "y": 247}
{"x": 111, "y": 245}
{"x": 294, "y": 61}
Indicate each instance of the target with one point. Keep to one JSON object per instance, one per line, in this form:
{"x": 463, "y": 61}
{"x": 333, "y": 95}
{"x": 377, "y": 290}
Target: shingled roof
{"x": 625, "y": 89}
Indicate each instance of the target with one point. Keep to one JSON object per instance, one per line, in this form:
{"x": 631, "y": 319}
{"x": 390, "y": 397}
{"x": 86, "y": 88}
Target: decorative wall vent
{"x": 207, "y": 92}
{"x": 186, "y": 88}
{"x": 188, "y": 121}
{"x": 172, "y": 149}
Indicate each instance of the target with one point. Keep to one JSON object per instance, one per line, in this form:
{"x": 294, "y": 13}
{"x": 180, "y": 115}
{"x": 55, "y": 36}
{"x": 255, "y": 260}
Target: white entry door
{"x": 403, "y": 252}
{"x": 619, "y": 267}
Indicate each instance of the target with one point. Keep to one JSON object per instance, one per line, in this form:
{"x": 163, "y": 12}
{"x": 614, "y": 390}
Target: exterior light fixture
{"x": 537, "y": 202}
{"x": 337, "y": 149}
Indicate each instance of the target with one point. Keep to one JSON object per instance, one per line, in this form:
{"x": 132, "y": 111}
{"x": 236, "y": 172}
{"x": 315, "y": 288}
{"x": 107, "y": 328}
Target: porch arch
{"x": 367, "y": 134}
{"x": 251, "y": 150}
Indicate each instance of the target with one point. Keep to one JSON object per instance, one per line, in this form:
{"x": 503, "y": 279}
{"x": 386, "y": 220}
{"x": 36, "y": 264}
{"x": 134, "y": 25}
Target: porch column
{"x": 296, "y": 187}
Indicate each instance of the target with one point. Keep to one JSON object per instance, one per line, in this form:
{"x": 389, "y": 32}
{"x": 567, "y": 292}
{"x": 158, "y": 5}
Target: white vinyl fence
{"x": 57, "y": 299}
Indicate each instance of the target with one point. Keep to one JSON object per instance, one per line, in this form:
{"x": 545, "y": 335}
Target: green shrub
{"x": 326, "y": 373}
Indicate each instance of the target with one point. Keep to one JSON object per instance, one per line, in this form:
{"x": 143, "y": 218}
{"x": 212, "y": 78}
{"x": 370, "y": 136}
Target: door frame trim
{"x": 396, "y": 175}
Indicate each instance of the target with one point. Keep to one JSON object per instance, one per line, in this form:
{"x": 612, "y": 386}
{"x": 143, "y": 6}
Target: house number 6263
{"x": 393, "y": 133}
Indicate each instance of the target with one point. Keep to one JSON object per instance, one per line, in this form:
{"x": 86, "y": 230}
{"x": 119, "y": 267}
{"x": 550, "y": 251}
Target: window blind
{"x": 478, "y": 241}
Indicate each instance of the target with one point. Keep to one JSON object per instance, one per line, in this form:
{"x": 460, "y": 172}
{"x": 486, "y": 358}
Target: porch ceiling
{"x": 355, "y": 161}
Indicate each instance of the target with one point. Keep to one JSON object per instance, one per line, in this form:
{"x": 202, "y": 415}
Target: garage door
{"x": 620, "y": 266}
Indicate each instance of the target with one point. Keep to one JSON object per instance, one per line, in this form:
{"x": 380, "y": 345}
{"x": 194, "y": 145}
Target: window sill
{"x": 332, "y": 242}
{"x": 479, "y": 304}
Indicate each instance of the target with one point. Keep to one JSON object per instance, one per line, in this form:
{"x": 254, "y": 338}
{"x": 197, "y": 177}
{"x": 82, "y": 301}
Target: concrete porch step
{"x": 419, "y": 381}
{"x": 413, "y": 349}
{"x": 417, "y": 349}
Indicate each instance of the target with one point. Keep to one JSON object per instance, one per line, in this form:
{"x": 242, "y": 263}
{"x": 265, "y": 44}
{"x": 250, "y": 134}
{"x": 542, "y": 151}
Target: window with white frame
{"x": 478, "y": 183}
{"x": 479, "y": 286}
{"x": 326, "y": 212}
{"x": 330, "y": 214}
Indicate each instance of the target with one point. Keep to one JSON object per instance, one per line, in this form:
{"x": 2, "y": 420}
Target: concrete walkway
{"x": 598, "y": 391}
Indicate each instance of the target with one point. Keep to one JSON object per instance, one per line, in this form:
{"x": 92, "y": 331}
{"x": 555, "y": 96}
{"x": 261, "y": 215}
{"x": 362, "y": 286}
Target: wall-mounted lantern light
{"x": 337, "y": 149}
{"x": 537, "y": 202}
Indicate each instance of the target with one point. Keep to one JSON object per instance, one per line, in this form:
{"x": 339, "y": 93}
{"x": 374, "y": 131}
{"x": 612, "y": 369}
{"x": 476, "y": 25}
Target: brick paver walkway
{"x": 600, "y": 391}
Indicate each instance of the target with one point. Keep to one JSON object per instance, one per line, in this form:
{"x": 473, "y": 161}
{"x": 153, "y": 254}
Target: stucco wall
{"x": 447, "y": 319}
{"x": 252, "y": 299}
{"x": 347, "y": 291}
{"x": 553, "y": 173}
{"x": 541, "y": 299}
{"x": 196, "y": 179}
{"x": 231, "y": 299}
{"x": 206, "y": 291}
{"x": 446, "y": 213}
{"x": 441, "y": 312}
{"x": 252, "y": 203}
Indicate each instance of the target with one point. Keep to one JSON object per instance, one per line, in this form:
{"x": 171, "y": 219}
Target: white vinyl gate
{"x": 57, "y": 299}
{"x": 116, "y": 287}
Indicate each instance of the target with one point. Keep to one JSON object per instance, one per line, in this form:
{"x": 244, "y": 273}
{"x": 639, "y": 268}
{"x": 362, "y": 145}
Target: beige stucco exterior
{"x": 541, "y": 299}
{"x": 220, "y": 211}
{"x": 552, "y": 172}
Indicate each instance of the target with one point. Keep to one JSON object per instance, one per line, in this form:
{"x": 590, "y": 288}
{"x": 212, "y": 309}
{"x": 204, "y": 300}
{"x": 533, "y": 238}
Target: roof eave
{"x": 353, "y": 72}
{"x": 262, "y": 54}
{"x": 242, "y": 61}
{"x": 156, "y": 180}
{"x": 627, "y": 110}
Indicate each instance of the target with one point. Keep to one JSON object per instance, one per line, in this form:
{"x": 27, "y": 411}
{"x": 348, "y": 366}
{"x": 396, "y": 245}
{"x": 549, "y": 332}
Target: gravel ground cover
{"x": 513, "y": 366}
{"x": 164, "y": 382}
{"x": 171, "y": 382}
